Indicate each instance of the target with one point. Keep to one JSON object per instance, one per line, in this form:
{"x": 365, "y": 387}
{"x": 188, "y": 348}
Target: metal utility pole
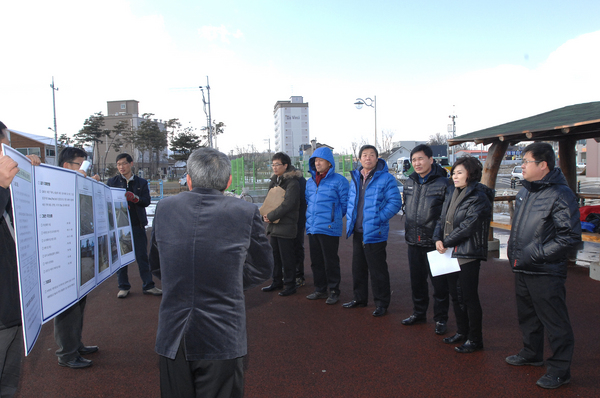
{"x": 452, "y": 129}
{"x": 54, "y": 89}
{"x": 269, "y": 141}
{"x": 208, "y": 114}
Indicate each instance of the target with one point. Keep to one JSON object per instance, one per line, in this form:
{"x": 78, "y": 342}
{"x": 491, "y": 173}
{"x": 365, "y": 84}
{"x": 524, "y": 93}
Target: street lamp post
{"x": 54, "y": 89}
{"x": 373, "y": 104}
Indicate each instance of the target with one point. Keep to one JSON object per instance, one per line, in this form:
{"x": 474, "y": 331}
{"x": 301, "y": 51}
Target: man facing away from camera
{"x": 207, "y": 249}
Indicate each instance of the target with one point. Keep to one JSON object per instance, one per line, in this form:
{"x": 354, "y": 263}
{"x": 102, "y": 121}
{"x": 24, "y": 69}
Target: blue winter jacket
{"x": 326, "y": 203}
{"x": 382, "y": 202}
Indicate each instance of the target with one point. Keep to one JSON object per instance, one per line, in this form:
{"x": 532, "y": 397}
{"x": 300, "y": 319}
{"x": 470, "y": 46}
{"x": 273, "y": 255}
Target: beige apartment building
{"x": 128, "y": 111}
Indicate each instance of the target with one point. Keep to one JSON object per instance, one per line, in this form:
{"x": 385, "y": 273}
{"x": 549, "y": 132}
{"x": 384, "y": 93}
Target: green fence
{"x": 248, "y": 176}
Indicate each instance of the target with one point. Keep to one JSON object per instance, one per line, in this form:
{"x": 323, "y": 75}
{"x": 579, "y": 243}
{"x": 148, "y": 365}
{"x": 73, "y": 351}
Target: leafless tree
{"x": 385, "y": 149}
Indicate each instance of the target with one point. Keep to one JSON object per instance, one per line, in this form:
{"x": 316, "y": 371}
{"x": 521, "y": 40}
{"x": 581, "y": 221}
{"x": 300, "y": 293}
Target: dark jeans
{"x": 299, "y": 247}
{"x": 284, "y": 260}
{"x": 11, "y": 355}
{"x": 67, "y": 331}
{"x": 370, "y": 258}
{"x": 180, "y": 378}
{"x": 140, "y": 242}
{"x": 325, "y": 262}
{"x": 541, "y": 305}
{"x": 465, "y": 300}
{"x": 419, "y": 271}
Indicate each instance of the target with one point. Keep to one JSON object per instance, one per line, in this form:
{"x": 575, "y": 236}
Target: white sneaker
{"x": 122, "y": 293}
{"x": 154, "y": 291}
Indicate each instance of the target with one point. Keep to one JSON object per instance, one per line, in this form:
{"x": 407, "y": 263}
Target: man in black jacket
{"x": 424, "y": 194}
{"x": 545, "y": 228}
{"x": 283, "y": 225}
{"x": 138, "y": 198}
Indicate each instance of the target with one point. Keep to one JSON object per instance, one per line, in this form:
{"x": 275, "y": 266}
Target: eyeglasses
{"x": 525, "y": 162}
{"x": 78, "y": 164}
{"x": 122, "y": 164}
{"x": 276, "y": 164}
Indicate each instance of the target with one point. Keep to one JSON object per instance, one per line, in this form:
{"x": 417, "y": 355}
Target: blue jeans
{"x": 140, "y": 241}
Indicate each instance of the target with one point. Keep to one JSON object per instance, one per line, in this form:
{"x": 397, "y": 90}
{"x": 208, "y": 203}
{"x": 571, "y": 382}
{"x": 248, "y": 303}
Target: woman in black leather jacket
{"x": 463, "y": 227}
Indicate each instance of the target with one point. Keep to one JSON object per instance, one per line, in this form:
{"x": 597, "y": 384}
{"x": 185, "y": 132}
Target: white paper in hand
{"x": 441, "y": 264}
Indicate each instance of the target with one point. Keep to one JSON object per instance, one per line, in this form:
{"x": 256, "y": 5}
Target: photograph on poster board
{"x": 122, "y": 216}
{"x": 125, "y": 241}
{"x": 114, "y": 249}
{"x": 87, "y": 260}
{"x": 103, "y": 256}
{"x": 86, "y": 214}
{"x": 111, "y": 218}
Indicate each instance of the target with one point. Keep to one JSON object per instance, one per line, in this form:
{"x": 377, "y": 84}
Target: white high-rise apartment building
{"x": 291, "y": 125}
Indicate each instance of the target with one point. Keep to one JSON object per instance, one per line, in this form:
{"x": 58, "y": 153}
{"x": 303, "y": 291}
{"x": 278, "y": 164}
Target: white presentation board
{"x": 71, "y": 233}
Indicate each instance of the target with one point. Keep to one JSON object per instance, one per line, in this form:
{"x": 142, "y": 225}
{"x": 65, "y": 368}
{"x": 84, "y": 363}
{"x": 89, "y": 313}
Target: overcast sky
{"x": 487, "y": 63}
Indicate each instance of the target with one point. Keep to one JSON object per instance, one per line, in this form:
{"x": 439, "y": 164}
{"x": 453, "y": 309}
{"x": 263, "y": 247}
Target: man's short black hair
{"x": 541, "y": 152}
{"x": 283, "y": 158}
{"x": 368, "y": 147}
{"x": 69, "y": 154}
{"x": 426, "y": 149}
{"x": 473, "y": 167}
{"x": 125, "y": 156}
{"x": 2, "y": 128}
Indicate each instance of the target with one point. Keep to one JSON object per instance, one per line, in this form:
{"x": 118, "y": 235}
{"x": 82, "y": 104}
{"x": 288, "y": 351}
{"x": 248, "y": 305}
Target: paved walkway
{"x": 300, "y": 348}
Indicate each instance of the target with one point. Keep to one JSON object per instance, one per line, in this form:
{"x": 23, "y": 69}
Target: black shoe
{"x": 469, "y": 347}
{"x": 77, "y": 363}
{"x": 317, "y": 295}
{"x": 88, "y": 349}
{"x": 333, "y": 298}
{"x": 414, "y": 319}
{"x": 379, "y": 311}
{"x": 272, "y": 287}
{"x": 551, "y": 381}
{"x": 440, "y": 328}
{"x": 457, "y": 338}
{"x": 517, "y": 360}
{"x": 288, "y": 292}
{"x": 354, "y": 304}
{"x": 300, "y": 282}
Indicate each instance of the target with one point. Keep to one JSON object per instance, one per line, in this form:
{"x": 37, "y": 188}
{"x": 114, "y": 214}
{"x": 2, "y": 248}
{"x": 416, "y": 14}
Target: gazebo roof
{"x": 576, "y": 122}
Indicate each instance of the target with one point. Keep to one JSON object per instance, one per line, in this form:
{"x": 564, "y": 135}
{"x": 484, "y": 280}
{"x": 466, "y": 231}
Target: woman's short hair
{"x": 473, "y": 167}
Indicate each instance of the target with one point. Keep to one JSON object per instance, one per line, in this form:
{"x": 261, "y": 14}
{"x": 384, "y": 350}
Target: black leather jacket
{"x": 545, "y": 226}
{"x": 471, "y": 222}
{"x": 423, "y": 206}
{"x": 138, "y": 186}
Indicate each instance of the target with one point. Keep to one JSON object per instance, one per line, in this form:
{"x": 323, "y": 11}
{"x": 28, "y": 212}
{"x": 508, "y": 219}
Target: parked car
{"x": 183, "y": 180}
{"x": 517, "y": 174}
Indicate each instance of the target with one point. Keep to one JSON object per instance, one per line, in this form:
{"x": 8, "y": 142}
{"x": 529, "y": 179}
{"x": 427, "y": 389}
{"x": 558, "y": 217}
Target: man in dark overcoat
{"x": 207, "y": 249}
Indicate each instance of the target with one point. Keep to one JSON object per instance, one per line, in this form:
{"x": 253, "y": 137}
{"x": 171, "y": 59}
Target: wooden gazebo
{"x": 565, "y": 125}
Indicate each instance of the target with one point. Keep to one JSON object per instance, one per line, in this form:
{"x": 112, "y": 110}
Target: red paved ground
{"x": 300, "y": 348}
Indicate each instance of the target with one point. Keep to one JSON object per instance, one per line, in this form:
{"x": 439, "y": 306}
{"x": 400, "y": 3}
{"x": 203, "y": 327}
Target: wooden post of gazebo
{"x": 567, "y": 155}
{"x": 491, "y": 167}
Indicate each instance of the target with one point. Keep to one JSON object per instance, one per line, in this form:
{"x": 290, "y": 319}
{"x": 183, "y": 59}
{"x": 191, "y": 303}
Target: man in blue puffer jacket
{"x": 372, "y": 201}
{"x": 326, "y": 199}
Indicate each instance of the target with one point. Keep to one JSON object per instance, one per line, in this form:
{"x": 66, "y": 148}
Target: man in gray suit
{"x": 207, "y": 249}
